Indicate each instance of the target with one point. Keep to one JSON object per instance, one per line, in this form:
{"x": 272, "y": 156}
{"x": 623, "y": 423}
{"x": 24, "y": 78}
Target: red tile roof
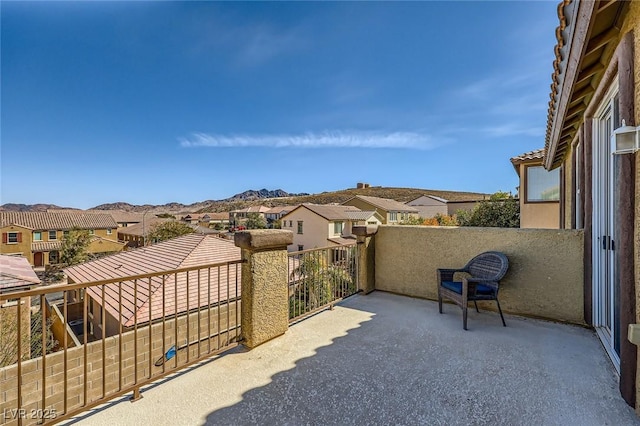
{"x": 182, "y": 252}
{"x": 57, "y": 221}
{"x": 16, "y": 272}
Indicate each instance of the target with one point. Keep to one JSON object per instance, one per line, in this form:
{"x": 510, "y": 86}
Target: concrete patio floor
{"x": 387, "y": 359}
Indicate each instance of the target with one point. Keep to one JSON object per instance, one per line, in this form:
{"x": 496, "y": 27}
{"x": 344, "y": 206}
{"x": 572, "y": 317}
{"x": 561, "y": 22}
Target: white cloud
{"x": 335, "y": 139}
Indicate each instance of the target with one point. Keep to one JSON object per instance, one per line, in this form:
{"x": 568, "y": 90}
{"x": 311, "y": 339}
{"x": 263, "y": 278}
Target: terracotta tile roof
{"x": 252, "y": 209}
{"x": 121, "y": 216}
{"x": 57, "y": 221}
{"x": 186, "y": 251}
{"x": 385, "y": 204}
{"x": 219, "y": 216}
{"x": 330, "y": 211}
{"x": 16, "y": 272}
{"x": 537, "y": 154}
{"x": 137, "y": 230}
{"x": 46, "y": 246}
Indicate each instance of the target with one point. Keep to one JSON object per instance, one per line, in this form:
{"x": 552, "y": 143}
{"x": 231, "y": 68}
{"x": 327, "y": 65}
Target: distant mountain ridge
{"x": 268, "y": 198}
{"x": 12, "y": 207}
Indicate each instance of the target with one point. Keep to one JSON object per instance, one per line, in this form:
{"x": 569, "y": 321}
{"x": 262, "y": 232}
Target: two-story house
{"x": 38, "y": 236}
{"x": 430, "y": 205}
{"x": 316, "y": 225}
{"x": 387, "y": 211}
{"x": 274, "y": 214}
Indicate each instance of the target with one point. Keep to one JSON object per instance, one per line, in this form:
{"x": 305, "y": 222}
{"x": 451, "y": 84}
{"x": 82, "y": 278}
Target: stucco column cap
{"x": 364, "y": 231}
{"x": 263, "y": 239}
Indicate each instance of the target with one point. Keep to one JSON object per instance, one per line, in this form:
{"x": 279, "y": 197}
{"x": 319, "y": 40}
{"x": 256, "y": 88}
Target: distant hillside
{"x": 11, "y": 207}
{"x": 267, "y": 198}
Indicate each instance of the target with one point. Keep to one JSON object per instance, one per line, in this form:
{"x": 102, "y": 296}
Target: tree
{"x": 502, "y": 210}
{"x": 75, "y": 247}
{"x": 168, "y": 230}
{"x": 31, "y": 336}
{"x": 165, "y": 216}
{"x": 255, "y": 221}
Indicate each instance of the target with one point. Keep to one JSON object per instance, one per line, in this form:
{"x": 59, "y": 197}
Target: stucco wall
{"x": 537, "y": 215}
{"x": 545, "y": 277}
{"x": 314, "y": 229}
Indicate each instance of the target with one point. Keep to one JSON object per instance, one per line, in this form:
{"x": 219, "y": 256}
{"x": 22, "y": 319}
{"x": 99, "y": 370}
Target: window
{"x": 109, "y": 231}
{"x": 300, "y": 247}
{"x": 290, "y": 224}
{"x": 542, "y": 185}
{"x": 372, "y": 222}
{"x": 337, "y": 228}
{"x": 13, "y": 237}
{"x": 299, "y": 227}
{"x": 37, "y": 236}
{"x": 53, "y": 235}
{"x": 393, "y": 216}
{"x": 65, "y": 234}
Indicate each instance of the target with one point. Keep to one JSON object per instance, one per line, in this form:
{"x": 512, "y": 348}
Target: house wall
{"x": 545, "y": 266}
{"x": 105, "y": 246}
{"x": 536, "y": 215}
{"x": 428, "y": 207}
{"x": 148, "y": 347}
{"x": 363, "y": 205}
{"x": 315, "y": 229}
{"x": 23, "y": 247}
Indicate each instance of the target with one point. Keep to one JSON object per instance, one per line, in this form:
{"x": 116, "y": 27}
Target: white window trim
{"x": 9, "y": 237}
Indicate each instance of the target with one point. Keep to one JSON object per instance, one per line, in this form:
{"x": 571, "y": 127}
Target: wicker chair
{"x": 486, "y": 270}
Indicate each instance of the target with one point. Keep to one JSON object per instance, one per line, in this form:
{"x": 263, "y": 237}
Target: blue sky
{"x": 158, "y": 102}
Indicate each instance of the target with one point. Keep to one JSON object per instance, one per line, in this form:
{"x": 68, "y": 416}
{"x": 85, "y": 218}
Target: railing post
{"x": 265, "y": 295}
{"x": 366, "y": 257}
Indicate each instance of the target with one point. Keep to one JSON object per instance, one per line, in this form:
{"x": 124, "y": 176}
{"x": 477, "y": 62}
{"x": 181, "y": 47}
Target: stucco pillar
{"x": 365, "y": 236}
{"x": 265, "y": 298}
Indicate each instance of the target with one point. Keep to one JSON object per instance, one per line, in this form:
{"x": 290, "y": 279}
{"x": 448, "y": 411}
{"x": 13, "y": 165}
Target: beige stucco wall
{"x": 23, "y": 247}
{"x": 537, "y": 215}
{"x": 315, "y": 229}
{"x": 545, "y": 277}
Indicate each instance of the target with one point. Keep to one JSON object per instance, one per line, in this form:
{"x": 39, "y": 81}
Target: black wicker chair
{"x": 486, "y": 270}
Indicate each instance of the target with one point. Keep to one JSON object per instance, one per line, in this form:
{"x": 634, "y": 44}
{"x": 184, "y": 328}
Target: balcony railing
{"x": 65, "y": 349}
{"x": 319, "y": 278}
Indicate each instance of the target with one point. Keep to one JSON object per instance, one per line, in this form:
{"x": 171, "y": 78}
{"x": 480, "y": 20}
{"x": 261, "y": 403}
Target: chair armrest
{"x": 447, "y": 274}
{"x": 476, "y": 280}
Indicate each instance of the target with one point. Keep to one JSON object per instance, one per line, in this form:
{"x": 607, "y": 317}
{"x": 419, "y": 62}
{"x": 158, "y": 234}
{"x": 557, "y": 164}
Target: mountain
{"x": 268, "y": 198}
{"x": 11, "y": 207}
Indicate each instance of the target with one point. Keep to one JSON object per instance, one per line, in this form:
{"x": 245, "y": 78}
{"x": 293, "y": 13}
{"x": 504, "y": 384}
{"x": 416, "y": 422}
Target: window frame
{"x": 15, "y": 234}
{"x": 525, "y": 181}
{"x": 300, "y": 228}
{"x": 55, "y": 235}
{"x": 38, "y": 233}
{"x": 337, "y": 225}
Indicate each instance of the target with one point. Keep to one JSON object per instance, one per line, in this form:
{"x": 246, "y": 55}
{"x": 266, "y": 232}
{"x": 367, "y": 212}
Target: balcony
{"x": 389, "y": 359}
{"x": 375, "y": 357}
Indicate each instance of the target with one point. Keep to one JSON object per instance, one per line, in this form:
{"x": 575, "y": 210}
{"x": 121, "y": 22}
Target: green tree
{"x": 502, "y": 210}
{"x": 165, "y": 216}
{"x": 255, "y": 221}
{"x": 75, "y": 247}
{"x": 168, "y": 230}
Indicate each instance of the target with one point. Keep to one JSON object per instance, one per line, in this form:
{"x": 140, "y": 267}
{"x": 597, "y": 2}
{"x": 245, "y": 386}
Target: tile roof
{"x": 360, "y": 215}
{"x": 385, "y": 203}
{"x": 280, "y": 209}
{"x": 46, "y": 246}
{"x": 330, "y": 211}
{"x": 16, "y": 272}
{"x": 120, "y": 216}
{"x": 137, "y": 230}
{"x": 537, "y": 154}
{"x": 57, "y": 221}
{"x": 219, "y": 216}
{"x": 252, "y": 209}
{"x": 343, "y": 240}
{"x": 186, "y": 251}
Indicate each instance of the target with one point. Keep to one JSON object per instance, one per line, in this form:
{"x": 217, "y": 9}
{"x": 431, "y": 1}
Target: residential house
{"x": 316, "y": 225}
{"x": 238, "y": 217}
{"x": 594, "y": 92}
{"x": 202, "y": 219}
{"x": 135, "y": 235}
{"x": 274, "y": 214}
{"x": 182, "y": 252}
{"x": 123, "y": 218}
{"x": 539, "y": 191}
{"x": 219, "y": 220}
{"x": 388, "y": 211}
{"x": 38, "y": 236}
{"x": 429, "y": 206}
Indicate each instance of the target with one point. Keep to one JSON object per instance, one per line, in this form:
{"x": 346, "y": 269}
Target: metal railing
{"x": 319, "y": 278}
{"x": 65, "y": 349}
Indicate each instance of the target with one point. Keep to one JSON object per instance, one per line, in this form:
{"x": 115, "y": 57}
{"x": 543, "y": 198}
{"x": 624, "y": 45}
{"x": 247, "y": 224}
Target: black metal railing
{"x": 321, "y": 277}
{"x": 65, "y": 349}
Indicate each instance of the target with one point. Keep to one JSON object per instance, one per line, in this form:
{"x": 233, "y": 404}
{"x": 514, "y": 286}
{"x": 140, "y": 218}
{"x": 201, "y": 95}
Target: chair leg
{"x": 476, "y": 303}
{"x": 439, "y": 302}
{"x": 501, "y": 316}
{"x": 464, "y": 316}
